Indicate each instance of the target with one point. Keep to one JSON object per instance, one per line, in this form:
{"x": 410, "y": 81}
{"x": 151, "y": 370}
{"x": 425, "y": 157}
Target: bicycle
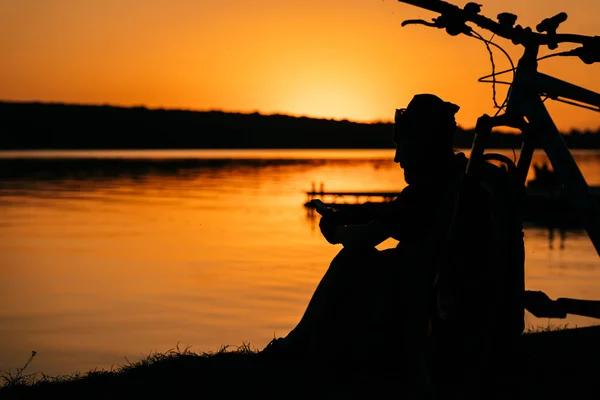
{"x": 524, "y": 110}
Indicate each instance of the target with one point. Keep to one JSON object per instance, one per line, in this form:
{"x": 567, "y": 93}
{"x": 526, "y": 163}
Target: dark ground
{"x": 561, "y": 364}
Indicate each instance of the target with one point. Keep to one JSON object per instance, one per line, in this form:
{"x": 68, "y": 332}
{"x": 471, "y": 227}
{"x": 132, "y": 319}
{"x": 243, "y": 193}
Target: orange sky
{"x": 335, "y": 59}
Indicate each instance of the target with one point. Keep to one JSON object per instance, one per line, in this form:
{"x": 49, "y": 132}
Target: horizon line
{"x": 162, "y": 108}
{"x": 197, "y": 110}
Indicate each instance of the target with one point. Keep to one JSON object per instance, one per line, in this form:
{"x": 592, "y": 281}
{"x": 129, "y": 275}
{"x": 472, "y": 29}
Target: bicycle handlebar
{"x": 454, "y": 19}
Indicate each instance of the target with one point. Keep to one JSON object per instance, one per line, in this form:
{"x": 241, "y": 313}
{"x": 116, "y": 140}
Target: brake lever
{"x": 442, "y": 22}
{"x": 588, "y": 53}
{"x": 419, "y": 22}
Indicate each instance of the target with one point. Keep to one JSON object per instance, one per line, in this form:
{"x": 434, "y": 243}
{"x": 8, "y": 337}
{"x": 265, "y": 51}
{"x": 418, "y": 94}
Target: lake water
{"x": 116, "y": 254}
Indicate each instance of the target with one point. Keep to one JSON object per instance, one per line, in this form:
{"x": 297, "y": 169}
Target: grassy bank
{"x": 555, "y": 364}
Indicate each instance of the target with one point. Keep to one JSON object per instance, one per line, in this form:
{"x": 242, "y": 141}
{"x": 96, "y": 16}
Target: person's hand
{"x": 445, "y": 302}
{"x": 541, "y": 306}
{"x": 446, "y": 306}
{"x": 329, "y": 227}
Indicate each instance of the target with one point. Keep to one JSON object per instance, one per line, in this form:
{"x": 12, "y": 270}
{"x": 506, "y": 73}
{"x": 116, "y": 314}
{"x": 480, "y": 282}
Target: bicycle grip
{"x": 551, "y": 24}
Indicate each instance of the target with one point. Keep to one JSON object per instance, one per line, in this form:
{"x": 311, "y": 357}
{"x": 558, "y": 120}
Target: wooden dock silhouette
{"x": 549, "y": 207}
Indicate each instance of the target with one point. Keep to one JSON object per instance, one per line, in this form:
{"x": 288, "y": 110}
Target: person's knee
{"x": 354, "y": 255}
{"x": 348, "y": 265}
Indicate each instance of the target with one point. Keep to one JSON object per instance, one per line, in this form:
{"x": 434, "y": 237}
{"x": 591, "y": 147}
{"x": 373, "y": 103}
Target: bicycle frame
{"x": 526, "y": 111}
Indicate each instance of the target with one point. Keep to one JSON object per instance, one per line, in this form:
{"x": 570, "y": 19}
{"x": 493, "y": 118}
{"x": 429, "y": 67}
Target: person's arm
{"x": 362, "y": 236}
{"x": 354, "y": 215}
{"x": 364, "y": 227}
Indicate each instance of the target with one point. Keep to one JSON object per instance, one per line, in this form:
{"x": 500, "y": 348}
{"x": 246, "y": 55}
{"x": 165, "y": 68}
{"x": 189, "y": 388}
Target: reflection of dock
{"x": 356, "y": 195}
{"x": 340, "y": 198}
{"x": 541, "y": 206}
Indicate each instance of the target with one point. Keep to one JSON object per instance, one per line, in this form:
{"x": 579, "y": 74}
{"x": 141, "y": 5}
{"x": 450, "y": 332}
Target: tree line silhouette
{"x": 36, "y": 125}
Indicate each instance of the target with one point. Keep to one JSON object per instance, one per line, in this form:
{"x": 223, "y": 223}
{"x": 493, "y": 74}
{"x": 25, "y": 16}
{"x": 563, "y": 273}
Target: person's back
{"x": 484, "y": 278}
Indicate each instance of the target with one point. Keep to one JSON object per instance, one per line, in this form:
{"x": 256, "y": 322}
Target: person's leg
{"x": 370, "y": 305}
{"x": 336, "y": 301}
{"x": 367, "y": 302}
{"x": 328, "y": 307}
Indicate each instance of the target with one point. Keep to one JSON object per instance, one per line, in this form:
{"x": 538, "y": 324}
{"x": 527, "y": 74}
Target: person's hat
{"x": 425, "y": 107}
{"x": 427, "y": 113}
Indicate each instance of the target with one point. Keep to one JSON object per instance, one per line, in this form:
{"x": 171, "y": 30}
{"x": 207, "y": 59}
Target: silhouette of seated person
{"x": 366, "y": 296}
{"x": 372, "y": 306}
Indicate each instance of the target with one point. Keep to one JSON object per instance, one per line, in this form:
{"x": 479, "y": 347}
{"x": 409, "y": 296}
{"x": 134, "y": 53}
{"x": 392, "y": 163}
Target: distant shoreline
{"x": 49, "y": 126}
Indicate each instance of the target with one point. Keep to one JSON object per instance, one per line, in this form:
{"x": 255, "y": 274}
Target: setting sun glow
{"x": 334, "y": 59}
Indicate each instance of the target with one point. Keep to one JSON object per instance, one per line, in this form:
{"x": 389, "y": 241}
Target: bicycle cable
{"x": 560, "y": 53}
{"x": 493, "y": 75}
{"x": 513, "y": 69}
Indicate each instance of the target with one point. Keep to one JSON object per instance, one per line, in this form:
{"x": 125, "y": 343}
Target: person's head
{"x": 423, "y": 134}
